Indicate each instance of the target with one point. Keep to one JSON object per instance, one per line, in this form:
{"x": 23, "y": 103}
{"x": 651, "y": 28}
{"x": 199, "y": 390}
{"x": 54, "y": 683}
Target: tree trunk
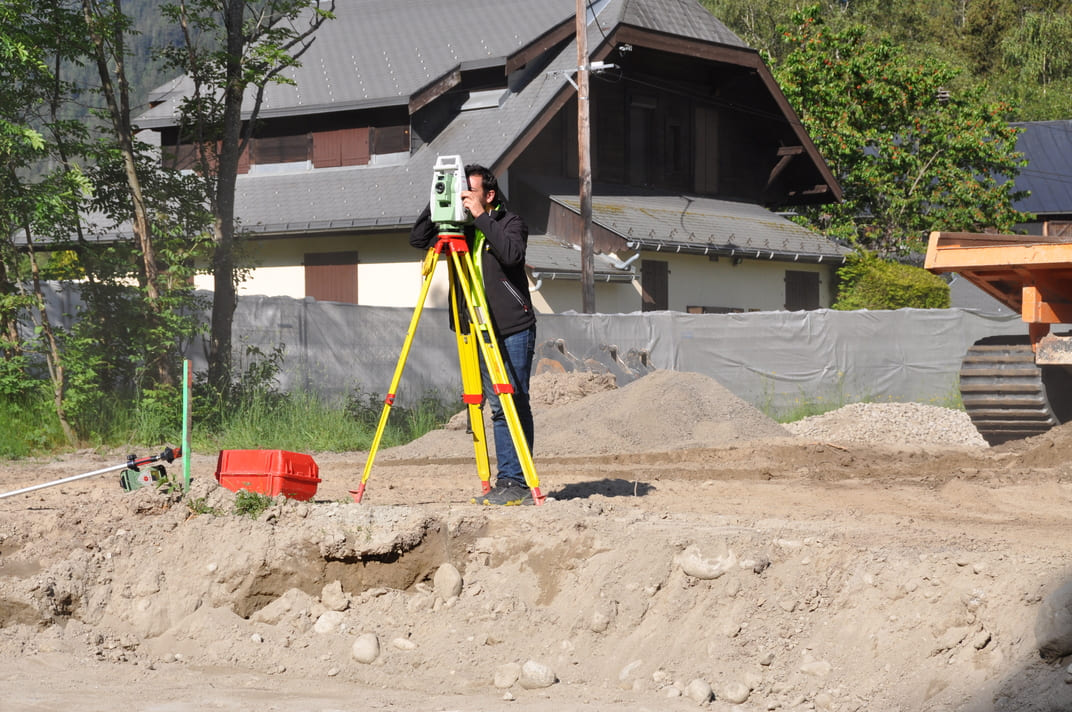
{"x": 53, "y": 358}
{"x": 119, "y": 113}
{"x": 224, "y": 300}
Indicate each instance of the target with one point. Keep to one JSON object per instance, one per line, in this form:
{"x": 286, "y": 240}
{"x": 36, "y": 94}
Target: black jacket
{"x": 503, "y": 263}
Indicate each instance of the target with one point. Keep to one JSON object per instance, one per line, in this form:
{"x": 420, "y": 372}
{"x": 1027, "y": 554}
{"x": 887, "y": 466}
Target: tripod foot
{"x": 358, "y": 493}
{"x": 537, "y": 497}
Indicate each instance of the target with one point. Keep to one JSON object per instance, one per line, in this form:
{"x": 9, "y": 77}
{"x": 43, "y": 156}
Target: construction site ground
{"x": 691, "y": 553}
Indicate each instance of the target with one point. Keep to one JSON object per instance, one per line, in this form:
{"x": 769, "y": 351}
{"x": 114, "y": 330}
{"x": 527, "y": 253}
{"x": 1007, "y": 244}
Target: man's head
{"x": 483, "y": 181}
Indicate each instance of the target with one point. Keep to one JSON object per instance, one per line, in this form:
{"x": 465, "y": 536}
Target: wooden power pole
{"x": 584, "y": 169}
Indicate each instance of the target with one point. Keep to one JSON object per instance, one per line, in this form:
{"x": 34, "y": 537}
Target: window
{"x": 801, "y": 290}
{"x": 331, "y": 276}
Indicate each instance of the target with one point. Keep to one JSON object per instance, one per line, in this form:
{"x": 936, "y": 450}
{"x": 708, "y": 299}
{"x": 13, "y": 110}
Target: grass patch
{"x": 29, "y": 426}
{"x": 303, "y": 422}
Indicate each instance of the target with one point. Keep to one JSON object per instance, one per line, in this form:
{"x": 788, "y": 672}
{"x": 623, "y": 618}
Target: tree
{"x": 1036, "y": 56}
{"x": 231, "y": 49}
{"x": 911, "y": 157}
{"x": 107, "y": 28}
{"x": 35, "y": 198}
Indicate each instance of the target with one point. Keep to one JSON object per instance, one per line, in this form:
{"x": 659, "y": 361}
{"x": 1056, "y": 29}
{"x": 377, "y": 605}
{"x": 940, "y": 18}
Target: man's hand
{"x": 473, "y": 201}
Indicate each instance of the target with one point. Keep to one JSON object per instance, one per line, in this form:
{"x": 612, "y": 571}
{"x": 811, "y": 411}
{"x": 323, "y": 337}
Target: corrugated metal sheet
{"x": 1047, "y": 145}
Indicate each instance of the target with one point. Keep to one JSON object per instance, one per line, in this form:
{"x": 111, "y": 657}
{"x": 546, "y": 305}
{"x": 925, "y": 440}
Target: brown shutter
{"x": 654, "y": 281}
{"x": 801, "y": 290}
{"x": 331, "y": 276}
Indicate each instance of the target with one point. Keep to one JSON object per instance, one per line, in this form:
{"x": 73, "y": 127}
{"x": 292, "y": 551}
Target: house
{"x": 693, "y": 149}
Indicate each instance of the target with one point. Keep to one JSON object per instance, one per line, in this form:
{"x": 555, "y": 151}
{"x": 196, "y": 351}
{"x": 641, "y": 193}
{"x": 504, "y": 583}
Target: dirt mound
{"x": 659, "y": 412}
{"x": 1050, "y": 449}
{"x": 681, "y": 556}
{"x": 583, "y": 414}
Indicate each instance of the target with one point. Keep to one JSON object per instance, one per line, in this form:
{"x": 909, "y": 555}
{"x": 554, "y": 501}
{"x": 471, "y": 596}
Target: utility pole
{"x": 584, "y": 169}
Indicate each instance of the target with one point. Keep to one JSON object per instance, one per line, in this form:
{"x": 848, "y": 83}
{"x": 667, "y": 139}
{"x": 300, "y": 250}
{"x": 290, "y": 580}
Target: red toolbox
{"x": 270, "y": 472}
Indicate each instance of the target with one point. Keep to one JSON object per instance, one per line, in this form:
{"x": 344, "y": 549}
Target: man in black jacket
{"x": 497, "y": 239}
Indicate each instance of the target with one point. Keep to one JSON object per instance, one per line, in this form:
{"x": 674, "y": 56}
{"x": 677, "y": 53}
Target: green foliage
{"x": 992, "y": 41}
{"x": 403, "y": 423}
{"x": 30, "y": 423}
{"x": 251, "y": 504}
{"x": 867, "y": 282}
{"x": 199, "y": 505}
{"x": 909, "y": 158}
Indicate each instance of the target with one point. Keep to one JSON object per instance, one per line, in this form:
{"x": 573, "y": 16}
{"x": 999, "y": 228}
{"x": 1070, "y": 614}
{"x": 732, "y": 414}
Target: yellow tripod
{"x": 480, "y": 335}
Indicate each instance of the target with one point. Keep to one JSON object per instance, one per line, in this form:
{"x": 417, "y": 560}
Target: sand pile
{"x": 662, "y": 411}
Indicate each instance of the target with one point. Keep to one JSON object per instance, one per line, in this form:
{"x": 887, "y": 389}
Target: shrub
{"x": 868, "y": 282}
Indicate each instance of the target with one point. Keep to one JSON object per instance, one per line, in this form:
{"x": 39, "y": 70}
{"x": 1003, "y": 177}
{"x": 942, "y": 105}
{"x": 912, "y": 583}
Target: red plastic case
{"x": 270, "y": 472}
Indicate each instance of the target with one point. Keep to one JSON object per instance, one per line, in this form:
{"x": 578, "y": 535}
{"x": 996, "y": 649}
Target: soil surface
{"x": 691, "y": 553}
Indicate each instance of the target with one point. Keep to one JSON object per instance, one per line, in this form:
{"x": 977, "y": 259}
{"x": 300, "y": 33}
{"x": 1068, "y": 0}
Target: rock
{"x": 447, "y": 582}
{"x": 626, "y": 672}
{"x": 506, "y": 675}
{"x": 286, "y": 605}
{"x": 1053, "y": 625}
{"x": 602, "y": 616}
{"x": 699, "y": 691}
{"x": 818, "y": 668}
{"x": 735, "y": 693}
{"x": 693, "y": 563}
{"x": 404, "y": 644}
{"x": 366, "y": 648}
{"x": 333, "y": 598}
{"x": 329, "y": 622}
{"x": 535, "y": 676}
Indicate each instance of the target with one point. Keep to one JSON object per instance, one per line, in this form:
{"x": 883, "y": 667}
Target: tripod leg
{"x": 489, "y": 347}
{"x": 428, "y": 270}
{"x": 472, "y": 389}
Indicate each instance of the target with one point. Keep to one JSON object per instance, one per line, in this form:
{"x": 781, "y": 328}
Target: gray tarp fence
{"x": 774, "y": 360}
{"x": 777, "y": 361}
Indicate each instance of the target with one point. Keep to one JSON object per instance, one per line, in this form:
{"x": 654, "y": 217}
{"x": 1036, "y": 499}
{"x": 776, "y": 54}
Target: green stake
{"x": 186, "y": 451}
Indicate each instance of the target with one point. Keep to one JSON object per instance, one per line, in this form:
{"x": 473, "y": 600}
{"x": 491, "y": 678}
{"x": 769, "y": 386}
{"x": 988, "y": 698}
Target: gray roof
{"x": 552, "y": 258}
{"x": 383, "y": 52}
{"x": 392, "y": 195}
{"x": 682, "y": 223}
{"x": 1047, "y": 145}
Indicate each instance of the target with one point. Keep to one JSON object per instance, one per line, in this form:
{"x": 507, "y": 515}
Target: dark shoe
{"x": 507, "y": 493}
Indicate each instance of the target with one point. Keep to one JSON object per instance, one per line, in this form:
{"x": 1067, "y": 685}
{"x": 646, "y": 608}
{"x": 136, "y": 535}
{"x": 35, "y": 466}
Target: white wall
{"x": 389, "y": 275}
{"x": 752, "y": 285}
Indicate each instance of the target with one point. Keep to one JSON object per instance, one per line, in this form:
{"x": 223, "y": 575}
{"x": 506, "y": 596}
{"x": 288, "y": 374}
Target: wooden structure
{"x": 1014, "y": 387}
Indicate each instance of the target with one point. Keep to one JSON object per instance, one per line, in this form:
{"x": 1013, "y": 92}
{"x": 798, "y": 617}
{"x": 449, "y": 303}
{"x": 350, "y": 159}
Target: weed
{"x": 251, "y": 504}
{"x": 200, "y": 505}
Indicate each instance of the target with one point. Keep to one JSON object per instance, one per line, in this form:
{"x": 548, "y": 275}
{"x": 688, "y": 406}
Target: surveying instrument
{"x": 475, "y": 335}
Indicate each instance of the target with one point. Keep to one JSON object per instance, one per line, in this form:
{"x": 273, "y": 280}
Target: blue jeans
{"x": 517, "y": 352}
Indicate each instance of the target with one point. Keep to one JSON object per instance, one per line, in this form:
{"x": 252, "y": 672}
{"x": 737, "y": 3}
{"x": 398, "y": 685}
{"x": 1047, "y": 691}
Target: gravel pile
{"x": 894, "y": 423}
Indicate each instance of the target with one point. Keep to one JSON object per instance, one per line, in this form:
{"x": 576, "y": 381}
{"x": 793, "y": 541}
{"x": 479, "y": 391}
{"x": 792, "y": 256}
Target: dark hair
{"x": 488, "y": 178}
